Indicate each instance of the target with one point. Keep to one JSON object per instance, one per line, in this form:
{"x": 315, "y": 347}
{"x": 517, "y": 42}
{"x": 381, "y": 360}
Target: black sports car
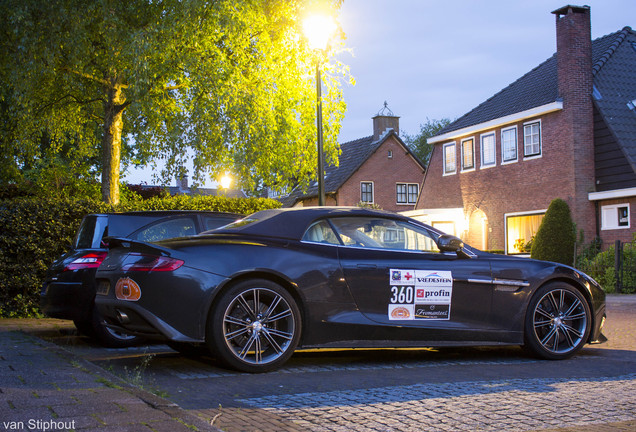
{"x": 68, "y": 291}
{"x": 255, "y": 290}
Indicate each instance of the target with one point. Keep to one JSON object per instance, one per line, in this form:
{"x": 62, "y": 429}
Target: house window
{"x": 532, "y": 139}
{"x": 390, "y": 154}
{"x": 414, "y": 191}
{"x": 615, "y": 216}
{"x": 366, "y": 192}
{"x": 449, "y": 159}
{"x": 488, "y": 150}
{"x": 520, "y": 231}
{"x": 509, "y": 145}
{"x": 468, "y": 154}
{"x": 407, "y": 193}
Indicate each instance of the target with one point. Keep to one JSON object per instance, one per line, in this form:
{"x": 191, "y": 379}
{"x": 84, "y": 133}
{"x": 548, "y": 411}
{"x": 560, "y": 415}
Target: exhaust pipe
{"x": 122, "y": 317}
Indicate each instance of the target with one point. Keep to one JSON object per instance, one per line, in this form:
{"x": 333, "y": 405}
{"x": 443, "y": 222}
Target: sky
{"x": 439, "y": 59}
{"x": 434, "y": 59}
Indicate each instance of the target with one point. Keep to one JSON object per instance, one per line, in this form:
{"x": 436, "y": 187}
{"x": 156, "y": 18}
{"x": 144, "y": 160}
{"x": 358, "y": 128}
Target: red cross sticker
{"x": 408, "y": 276}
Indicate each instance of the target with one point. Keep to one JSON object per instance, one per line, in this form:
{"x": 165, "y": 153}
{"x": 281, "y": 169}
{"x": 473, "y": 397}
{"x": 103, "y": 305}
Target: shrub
{"x": 556, "y": 236}
{"x": 602, "y": 267}
{"x": 34, "y": 231}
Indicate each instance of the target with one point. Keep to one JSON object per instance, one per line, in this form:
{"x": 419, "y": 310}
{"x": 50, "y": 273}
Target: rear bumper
{"x": 66, "y": 300}
{"x": 133, "y": 319}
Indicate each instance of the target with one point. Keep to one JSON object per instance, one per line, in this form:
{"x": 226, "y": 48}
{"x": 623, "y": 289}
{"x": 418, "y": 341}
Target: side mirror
{"x": 449, "y": 243}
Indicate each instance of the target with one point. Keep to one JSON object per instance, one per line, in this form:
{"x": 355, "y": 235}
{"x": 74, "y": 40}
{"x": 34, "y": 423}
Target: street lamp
{"x": 318, "y": 30}
{"x": 226, "y": 180}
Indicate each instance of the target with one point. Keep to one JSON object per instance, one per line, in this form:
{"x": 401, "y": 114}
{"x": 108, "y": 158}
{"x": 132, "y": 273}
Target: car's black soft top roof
{"x": 291, "y": 223}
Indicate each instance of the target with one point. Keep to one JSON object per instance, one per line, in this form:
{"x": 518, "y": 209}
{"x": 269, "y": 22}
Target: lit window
{"x": 509, "y": 144}
{"x": 449, "y": 158}
{"x": 615, "y": 217}
{"x": 532, "y": 139}
{"x": 406, "y": 193}
{"x": 520, "y": 231}
{"x": 488, "y": 149}
{"x": 366, "y": 192}
{"x": 468, "y": 154}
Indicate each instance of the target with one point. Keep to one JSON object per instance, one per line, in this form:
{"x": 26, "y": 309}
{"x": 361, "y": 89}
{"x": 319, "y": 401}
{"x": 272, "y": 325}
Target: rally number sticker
{"x": 420, "y": 294}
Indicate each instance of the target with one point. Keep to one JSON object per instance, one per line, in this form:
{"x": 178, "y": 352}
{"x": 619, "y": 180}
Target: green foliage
{"x": 34, "y": 231}
{"x": 419, "y": 143}
{"x": 602, "y": 266}
{"x": 222, "y": 85}
{"x": 556, "y": 236}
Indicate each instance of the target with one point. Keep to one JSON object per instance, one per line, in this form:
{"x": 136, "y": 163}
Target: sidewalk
{"x": 45, "y": 388}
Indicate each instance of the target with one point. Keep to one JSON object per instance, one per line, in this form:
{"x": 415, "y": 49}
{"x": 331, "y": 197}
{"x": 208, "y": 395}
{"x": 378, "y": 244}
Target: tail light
{"x": 148, "y": 263}
{"x": 90, "y": 260}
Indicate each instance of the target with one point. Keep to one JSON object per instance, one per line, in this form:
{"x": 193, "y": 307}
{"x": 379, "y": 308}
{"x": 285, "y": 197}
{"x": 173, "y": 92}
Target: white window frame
{"x": 610, "y": 224}
{"x": 494, "y": 150}
{"x": 372, "y": 192}
{"x": 534, "y": 155}
{"x": 407, "y": 187}
{"x": 516, "y": 145}
{"x": 515, "y": 214}
{"x": 472, "y": 168}
{"x": 454, "y": 171}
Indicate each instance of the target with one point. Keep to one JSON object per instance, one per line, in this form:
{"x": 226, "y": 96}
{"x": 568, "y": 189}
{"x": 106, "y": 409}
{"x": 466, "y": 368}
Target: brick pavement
{"x": 41, "y": 381}
{"x": 43, "y": 387}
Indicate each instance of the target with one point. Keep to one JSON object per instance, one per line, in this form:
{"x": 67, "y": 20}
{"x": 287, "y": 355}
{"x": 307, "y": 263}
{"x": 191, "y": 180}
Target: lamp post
{"x": 318, "y": 29}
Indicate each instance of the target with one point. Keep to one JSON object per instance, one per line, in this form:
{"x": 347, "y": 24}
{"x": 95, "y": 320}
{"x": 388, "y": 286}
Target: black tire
{"x": 255, "y": 326}
{"x": 189, "y": 349}
{"x": 84, "y": 327}
{"x": 558, "y": 322}
{"x": 111, "y": 338}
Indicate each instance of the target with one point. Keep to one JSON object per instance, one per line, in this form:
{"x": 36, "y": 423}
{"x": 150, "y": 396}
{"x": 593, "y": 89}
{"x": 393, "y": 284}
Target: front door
{"x": 398, "y": 277}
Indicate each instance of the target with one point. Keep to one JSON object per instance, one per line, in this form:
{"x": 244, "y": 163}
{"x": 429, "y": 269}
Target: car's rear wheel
{"x": 255, "y": 326}
{"x": 558, "y": 321}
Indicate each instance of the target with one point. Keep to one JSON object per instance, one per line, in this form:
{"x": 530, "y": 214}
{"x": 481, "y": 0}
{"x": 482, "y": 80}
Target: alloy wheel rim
{"x": 258, "y": 326}
{"x": 560, "y": 321}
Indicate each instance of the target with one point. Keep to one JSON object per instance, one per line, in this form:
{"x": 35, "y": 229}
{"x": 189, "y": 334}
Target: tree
{"x": 419, "y": 143}
{"x": 225, "y": 85}
{"x": 556, "y": 235}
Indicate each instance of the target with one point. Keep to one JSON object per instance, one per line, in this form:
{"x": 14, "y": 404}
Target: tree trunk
{"x": 111, "y": 143}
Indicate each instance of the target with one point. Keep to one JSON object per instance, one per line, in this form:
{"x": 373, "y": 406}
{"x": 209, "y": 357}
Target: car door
{"x": 398, "y": 277}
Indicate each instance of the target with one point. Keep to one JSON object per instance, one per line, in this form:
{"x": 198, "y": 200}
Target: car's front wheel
{"x": 558, "y": 321}
{"x": 255, "y": 326}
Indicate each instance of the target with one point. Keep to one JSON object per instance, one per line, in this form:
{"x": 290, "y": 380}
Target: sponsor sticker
{"x": 401, "y": 312}
{"x": 127, "y": 289}
{"x": 425, "y": 294}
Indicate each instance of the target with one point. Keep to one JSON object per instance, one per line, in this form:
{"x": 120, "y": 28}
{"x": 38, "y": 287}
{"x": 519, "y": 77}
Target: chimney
{"x": 576, "y": 121}
{"x": 384, "y": 121}
{"x": 574, "y": 54}
{"x": 182, "y": 183}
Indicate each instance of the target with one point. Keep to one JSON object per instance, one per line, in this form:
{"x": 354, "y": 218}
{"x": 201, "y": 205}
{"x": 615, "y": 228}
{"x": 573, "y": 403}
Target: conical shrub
{"x": 556, "y": 236}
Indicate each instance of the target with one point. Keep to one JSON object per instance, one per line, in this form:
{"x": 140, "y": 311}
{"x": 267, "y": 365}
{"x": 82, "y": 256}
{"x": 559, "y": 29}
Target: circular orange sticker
{"x": 400, "y": 313}
{"x": 127, "y": 289}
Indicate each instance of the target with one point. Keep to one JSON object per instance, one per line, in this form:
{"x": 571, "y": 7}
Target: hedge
{"x": 35, "y": 231}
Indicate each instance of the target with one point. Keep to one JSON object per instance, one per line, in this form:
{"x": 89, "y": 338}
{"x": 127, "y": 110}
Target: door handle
{"x": 366, "y": 266}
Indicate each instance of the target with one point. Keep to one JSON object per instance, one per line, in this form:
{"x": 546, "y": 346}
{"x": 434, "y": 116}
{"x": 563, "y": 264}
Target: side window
{"x": 212, "y": 222}
{"x": 449, "y": 159}
{"x": 161, "y": 230}
{"x": 321, "y": 232}
{"x": 378, "y": 233}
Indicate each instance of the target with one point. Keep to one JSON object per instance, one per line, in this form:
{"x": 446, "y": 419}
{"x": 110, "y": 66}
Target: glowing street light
{"x": 318, "y": 30}
{"x": 226, "y": 181}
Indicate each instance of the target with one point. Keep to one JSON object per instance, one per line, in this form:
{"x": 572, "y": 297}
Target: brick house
{"x": 566, "y": 129}
{"x": 377, "y": 170}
